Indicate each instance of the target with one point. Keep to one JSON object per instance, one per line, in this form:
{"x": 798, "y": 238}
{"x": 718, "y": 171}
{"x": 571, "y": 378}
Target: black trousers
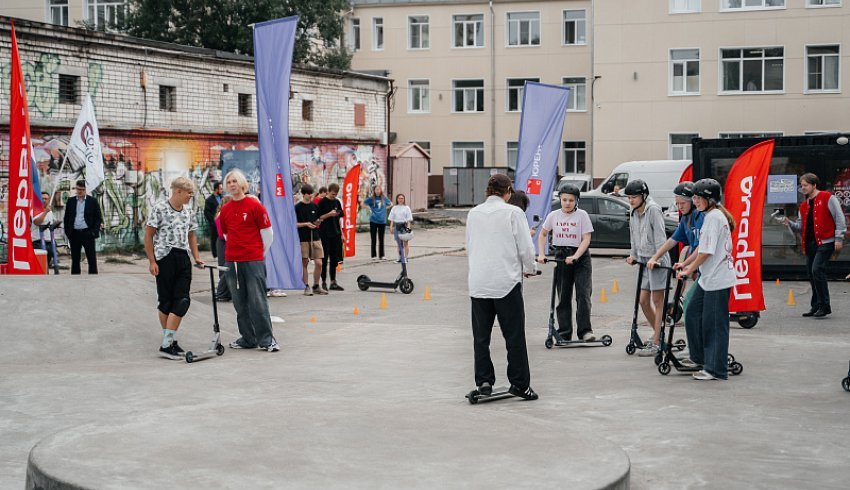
{"x": 222, "y": 291}
{"x": 510, "y": 311}
{"x": 817, "y": 259}
{"x": 213, "y": 240}
{"x": 376, "y": 231}
{"x": 578, "y": 276}
{"x": 333, "y": 256}
{"x": 82, "y": 239}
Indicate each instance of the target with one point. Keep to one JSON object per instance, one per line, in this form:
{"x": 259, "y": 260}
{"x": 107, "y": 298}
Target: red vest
{"x": 823, "y": 222}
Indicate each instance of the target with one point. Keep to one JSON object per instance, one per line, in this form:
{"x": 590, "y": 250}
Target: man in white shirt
{"x": 500, "y": 251}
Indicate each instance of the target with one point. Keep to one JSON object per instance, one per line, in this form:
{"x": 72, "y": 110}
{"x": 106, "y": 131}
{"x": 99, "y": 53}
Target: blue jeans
{"x": 817, "y": 258}
{"x": 707, "y": 323}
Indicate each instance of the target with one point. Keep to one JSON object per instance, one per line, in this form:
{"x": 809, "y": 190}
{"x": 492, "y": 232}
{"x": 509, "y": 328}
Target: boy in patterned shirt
{"x": 169, "y": 238}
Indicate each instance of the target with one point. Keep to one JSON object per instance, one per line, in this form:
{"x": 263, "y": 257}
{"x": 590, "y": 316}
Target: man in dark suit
{"x": 83, "y": 222}
{"x": 210, "y": 207}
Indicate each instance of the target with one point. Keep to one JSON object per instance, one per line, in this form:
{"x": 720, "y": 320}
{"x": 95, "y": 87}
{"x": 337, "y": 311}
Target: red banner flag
{"x": 22, "y": 258}
{"x": 688, "y": 174}
{"x": 745, "y": 191}
{"x": 350, "y": 192}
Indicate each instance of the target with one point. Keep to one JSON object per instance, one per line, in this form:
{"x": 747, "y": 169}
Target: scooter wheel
{"x": 630, "y": 348}
{"x": 219, "y": 349}
{"x": 845, "y": 383}
{"x": 190, "y": 357}
{"x": 406, "y": 286}
{"x": 607, "y": 340}
{"x": 549, "y": 343}
{"x": 730, "y": 359}
{"x": 363, "y": 282}
{"x": 658, "y": 358}
{"x": 679, "y": 345}
{"x": 664, "y": 368}
{"x": 736, "y": 368}
{"x": 748, "y": 321}
{"x": 472, "y": 397}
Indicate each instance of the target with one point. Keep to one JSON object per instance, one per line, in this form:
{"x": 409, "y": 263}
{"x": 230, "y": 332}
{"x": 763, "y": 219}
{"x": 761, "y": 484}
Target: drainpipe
{"x": 492, "y": 86}
{"x": 389, "y": 98}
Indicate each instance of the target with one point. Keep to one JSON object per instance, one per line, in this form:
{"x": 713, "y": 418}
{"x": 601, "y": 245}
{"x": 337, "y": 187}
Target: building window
{"x": 360, "y": 115}
{"x": 823, "y": 3}
{"x": 425, "y": 145}
{"x": 419, "y": 99}
{"x": 752, "y": 69}
{"x": 418, "y": 32}
{"x": 468, "y": 30}
{"x": 512, "y": 152}
{"x": 684, "y": 71}
{"x": 575, "y": 27}
{"x": 575, "y": 157}
{"x": 755, "y": 134}
{"x": 468, "y": 154}
{"x": 751, "y": 4}
{"x": 69, "y": 89}
{"x": 516, "y": 86}
{"x": 822, "y": 68}
{"x": 245, "y": 104}
{"x": 307, "y": 110}
{"x": 354, "y": 42}
{"x": 680, "y": 146}
{"x": 377, "y": 33}
{"x": 167, "y": 98}
{"x": 58, "y": 12}
{"x": 684, "y": 6}
{"x": 523, "y": 28}
{"x": 578, "y": 93}
{"x": 468, "y": 95}
{"x": 106, "y": 14}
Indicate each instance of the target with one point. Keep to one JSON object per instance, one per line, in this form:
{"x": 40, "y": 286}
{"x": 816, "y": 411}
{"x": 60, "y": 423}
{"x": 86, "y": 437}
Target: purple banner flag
{"x": 273, "y": 44}
{"x": 544, "y": 108}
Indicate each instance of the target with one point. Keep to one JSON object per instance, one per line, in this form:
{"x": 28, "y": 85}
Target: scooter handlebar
{"x": 213, "y": 266}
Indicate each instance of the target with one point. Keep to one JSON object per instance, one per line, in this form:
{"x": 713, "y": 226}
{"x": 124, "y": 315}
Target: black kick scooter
{"x": 845, "y": 383}
{"x": 554, "y": 338}
{"x": 216, "y": 349}
{"x": 402, "y": 282}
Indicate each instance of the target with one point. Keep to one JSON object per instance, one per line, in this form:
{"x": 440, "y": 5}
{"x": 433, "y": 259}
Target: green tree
{"x": 226, "y": 25}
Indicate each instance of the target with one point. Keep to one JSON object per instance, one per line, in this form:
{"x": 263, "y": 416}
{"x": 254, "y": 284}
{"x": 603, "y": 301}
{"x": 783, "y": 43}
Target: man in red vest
{"x": 822, "y": 225}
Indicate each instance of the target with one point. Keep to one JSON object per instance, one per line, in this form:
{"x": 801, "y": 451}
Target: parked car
{"x": 584, "y": 183}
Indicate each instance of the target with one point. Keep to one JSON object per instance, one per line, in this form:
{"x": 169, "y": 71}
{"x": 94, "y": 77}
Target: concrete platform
{"x": 311, "y": 445}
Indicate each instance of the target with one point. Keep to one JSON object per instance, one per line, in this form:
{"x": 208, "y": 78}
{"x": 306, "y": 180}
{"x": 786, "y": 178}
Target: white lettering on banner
{"x": 19, "y": 244}
{"x": 20, "y": 221}
{"x": 348, "y": 196}
{"x": 742, "y": 246}
{"x": 535, "y": 164}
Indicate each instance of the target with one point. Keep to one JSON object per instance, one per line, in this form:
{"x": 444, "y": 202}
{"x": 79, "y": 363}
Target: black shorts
{"x": 174, "y": 281}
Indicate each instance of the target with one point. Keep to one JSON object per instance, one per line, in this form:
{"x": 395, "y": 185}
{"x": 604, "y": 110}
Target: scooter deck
{"x": 604, "y": 341}
{"x": 498, "y": 394}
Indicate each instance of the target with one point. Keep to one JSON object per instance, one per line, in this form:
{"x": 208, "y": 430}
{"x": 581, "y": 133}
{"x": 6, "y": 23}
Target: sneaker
{"x": 336, "y": 287}
{"x": 273, "y": 347}
{"x": 277, "y": 293}
{"x": 318, "y": 290}
{"x": 177, "y": 348}
{"x": 170, "y": 353}
{"x": 526, "y": 394}
{"x": 325, "y": 286}
{"x": 649, "y": 350}
{"x": 308, "y": 291}
{"x": 237, "y": 345}
{"x": 703, "y": 376}
{"x": 485, "y": 389}
{"x": 376, "y": 259}
{"x": 689, "y": 364}
{"x": 588, "y": 337}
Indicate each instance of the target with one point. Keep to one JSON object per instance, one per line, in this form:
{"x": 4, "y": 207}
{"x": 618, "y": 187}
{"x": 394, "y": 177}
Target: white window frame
{"x": 564, "y": 27}
{"x": 410, "y": 109}
{"x": 671, "y": 145}
{"x": 741, "y": 91}
{"x": 508, "y": 151}
{"x": 482, "y": 150}
{"x": 674, "y": 9}
{"x": 64, "y": 11}
{"x": 465, "y": 89}
{"x": 806, "y": 88}
{"x": 810, "y": 5}
{"x": 530, "y": 21}
{"x": 355, "y": 32}
{"x": 427, "y": 25}
{"x": 375, "y": 46}
{"x": 453, "y": 41}
{"x": 572, "y": 103}
{"x": 750, "y": 134}
{"x": 509, "y": 88}
{"x": 671, "y": 62}
{"x": 108, "y": 5}
{"x": 744, "y": 7}
{"x": 575, "y": 151}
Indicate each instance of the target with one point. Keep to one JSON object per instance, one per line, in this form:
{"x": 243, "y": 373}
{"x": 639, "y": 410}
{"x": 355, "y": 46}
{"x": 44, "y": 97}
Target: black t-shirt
{"x": 810, "y": 224}
{"x": 307, "y": 213}
{"x": 330, "y": 226}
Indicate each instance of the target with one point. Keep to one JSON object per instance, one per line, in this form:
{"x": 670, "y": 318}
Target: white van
{"x": 660, "y": 175}
{"x": 584, "y": 183}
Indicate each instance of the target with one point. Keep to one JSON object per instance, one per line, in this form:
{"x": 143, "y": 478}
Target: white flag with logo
{"x": 85, "y": 150}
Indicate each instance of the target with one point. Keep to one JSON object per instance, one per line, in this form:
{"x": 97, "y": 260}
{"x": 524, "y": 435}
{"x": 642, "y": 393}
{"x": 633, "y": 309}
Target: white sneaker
{"x": 689, "y": 363}
{"x": 273, "y": 347}
{"x": 703, "y": 376}
{"x": 308, "y": 291}
{"x": 277, "y": 293}
{"x": 588, "y": 337}
{"x": 649, "y": 350}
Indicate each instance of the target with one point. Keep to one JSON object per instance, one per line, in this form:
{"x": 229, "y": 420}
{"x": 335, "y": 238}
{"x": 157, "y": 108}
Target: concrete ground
{"x": 82, "y": 350}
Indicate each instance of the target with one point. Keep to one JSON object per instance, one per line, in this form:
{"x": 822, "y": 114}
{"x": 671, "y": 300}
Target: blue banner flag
{"x": 273, "y": 44}
{"x": 544, "y": 108}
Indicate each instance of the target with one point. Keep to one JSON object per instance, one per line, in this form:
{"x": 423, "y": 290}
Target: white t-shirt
{"x": 715, "y": 239}
{"x": 34, "y": 231}
{"x": 400, "y": 213}
{"x": 567, "y": 228}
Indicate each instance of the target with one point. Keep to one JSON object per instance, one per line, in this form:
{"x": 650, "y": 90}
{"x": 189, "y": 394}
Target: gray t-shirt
{"x": 172, "y": 228}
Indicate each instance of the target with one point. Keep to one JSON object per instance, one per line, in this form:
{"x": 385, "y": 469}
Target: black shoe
{"x": 485, "y": 389}
{"x": 223, "y": 299}
{"x": 822, "y": 312}
{"x": 565, "y": 335}
{"x": 325, "y": 286}
{"x": 336, "y": 287}
{"x": 810, "y": 312}
{"x": 177, "y": 348}
{"x": 526, "y": 394}
{"x": 170, "y": 353}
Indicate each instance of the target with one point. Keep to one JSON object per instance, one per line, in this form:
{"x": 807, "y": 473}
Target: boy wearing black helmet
{"x": 646, "y": 230}
{"x": 571, "y": 231}
{"x": 707, "y": 313}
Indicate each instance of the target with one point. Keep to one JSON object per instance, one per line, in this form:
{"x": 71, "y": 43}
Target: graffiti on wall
{"x": 41, "y": 80}
{"x": 322, "y": 165}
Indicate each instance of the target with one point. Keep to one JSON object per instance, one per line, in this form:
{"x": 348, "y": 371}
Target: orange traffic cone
{"x": 313, "y": 319}
{"x": 603, "y": 297}
{"x": 427, "y": 296}
{"x": 356, "y": 311}
{"x": 339, "y": 267}
{"x": 384, "y": 304}
{"x": 777, "y": 281}
{"x": 615, "y": 288}
{"x": 791, "y": 300}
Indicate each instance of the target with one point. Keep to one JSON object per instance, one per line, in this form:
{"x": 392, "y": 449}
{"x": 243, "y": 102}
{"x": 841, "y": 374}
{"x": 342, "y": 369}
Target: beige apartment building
{"x": 100, "y": 14}
{"x": 459, "y": 68}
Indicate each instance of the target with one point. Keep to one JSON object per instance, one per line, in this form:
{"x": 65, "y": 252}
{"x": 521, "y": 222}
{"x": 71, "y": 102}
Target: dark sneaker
{"x": 485, "y": 389}
{"x": 177, "y": 348}
{"x": 526, "y": 394}
{"x": 170, "y": 353}
{"x": 822, "y": 312}
{"x": 810, "y": 312}
{"x": 318, "y": 290}
{"x": 325, "y": 286}
{"x": 336, "y": 287}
